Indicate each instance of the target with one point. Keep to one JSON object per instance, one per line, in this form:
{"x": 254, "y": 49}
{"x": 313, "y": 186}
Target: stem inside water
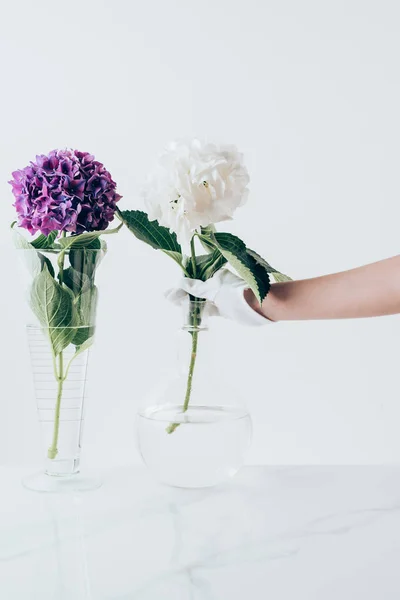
{"x": 195, "y": 320}
{"x": 60, "y": 262}
{"x": 53, "y": 450}
{"x": 59, "y": 375}
{"x": 195, "y": 338}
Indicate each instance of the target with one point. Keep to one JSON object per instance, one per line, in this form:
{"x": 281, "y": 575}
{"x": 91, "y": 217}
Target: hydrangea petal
{"x": 66, "y": 190}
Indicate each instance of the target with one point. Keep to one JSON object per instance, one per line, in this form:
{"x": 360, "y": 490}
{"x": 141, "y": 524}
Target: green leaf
{"x": 84, "y": 346}
{"x": 54, "y": 307}
{"x": 280, "y": 277}
{"x": 150, "y": 232}
{"x": 43, "y": 241}
{"x": 76, "y": 281}
{"x": 82, "y": 335}
{"x": 86, "y": 240}
{"x": 261, "y": 261}
{"x": 35, "y": 260}
{"x": 79, "y": 277}
{"x": 207, "y": 264}
{"x": 89, "y": 242}
{"x": 44, "y": 261}
{"x": 85, "y": 260}
{"x": 206, "y": 237}
{"x": 209, "y": 230}
{"x": 20, "y": 242}
{"x": 235, "y": 252}
{"x": 86, "y": 305}
{"x": 201, "y": 260}
{"x": 176, "y": 256}
{"x": 83, "y": 240}
{"x": 215, "y": 263}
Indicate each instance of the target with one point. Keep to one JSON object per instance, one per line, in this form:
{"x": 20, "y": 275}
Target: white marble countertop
{"x": 304, "y": 533}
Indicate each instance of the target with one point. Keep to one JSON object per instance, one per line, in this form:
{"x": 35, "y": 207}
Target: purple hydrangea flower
{"x": 67, "y": 190}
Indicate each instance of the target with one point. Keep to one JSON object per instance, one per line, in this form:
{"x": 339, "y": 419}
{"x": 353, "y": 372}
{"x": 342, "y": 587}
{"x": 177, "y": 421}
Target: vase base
{"x": 41, "y": 482}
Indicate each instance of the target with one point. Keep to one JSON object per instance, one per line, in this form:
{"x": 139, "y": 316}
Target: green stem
{"x": 53, "y": 450}
{"x": 195, "y": 335}
{"x": 60, "y": 377}
{"x": 185, "y": 271}
{"x": 69, "y": 364}
{"x": 60, "y": 262}
{"x": 54, "y": 363}
{"x": 193, "y": 254}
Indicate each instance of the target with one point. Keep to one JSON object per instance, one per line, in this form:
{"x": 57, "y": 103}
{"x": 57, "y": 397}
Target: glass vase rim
{"x": 57, "y": 250}
{"x": 47, "y": 328}
{"x": 201, "y": 307}
{"x": 199, "y": 301}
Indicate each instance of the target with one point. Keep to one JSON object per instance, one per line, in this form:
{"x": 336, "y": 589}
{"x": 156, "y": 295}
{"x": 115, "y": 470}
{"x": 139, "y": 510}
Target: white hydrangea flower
{"x": 195, "y": 185}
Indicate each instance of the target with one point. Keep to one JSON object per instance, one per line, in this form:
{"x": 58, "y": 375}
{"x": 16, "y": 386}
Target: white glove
{"x": 225, "y": 291}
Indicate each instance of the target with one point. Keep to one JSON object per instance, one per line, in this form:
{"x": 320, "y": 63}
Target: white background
{"x": 310, "y": 92}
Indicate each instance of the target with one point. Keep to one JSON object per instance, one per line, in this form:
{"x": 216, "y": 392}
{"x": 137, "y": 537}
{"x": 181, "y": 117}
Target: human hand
{"x": 226, "y": 293}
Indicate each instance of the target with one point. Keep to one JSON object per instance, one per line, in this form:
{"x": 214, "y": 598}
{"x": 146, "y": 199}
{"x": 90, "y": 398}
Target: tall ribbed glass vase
{"x": 62, "y": 296}
{"x": 59, "y": 387}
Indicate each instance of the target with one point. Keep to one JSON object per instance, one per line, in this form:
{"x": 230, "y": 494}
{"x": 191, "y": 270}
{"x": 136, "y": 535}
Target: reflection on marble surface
{"x": 310, "y": 533}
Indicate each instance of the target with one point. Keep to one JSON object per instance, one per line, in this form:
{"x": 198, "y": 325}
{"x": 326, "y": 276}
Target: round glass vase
{"x": 193, "y": 430}
{"x": 62, "y": 297}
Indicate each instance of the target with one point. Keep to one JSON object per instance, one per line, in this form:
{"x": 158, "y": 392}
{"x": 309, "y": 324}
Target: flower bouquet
{"x": 65, "y": 201}
{"x": 195, "y": 186}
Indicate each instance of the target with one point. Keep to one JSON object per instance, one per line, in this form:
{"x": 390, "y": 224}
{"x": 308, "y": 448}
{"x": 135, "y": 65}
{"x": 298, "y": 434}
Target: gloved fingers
{"x": 212, "y": 310}
{"x": 179, "y": 297}
{"x": 176, "y": 295}
{"x": 200, "y": 289}
{"x": 232, "y": 304}
{"x": 245, "y": 314}
{"x": 225, "y": 292}
{"x": 197, "y": 288}
{"x": 225, "y": 277}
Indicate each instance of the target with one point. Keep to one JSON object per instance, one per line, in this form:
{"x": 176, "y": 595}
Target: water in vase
{"x": 207, "y": 446}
